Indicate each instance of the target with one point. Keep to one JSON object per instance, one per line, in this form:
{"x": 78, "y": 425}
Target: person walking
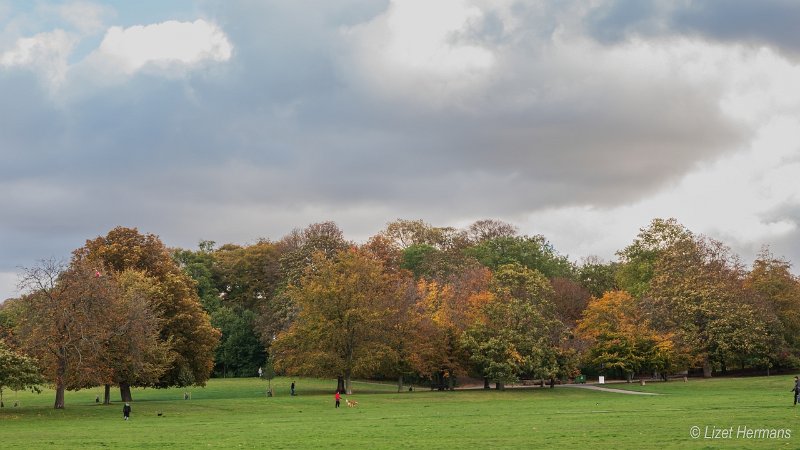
{"x": 796, "y": 389}
{"x": 126, "y": 411}
{"x": 292, "y": 388}
{"x": 338, "y": 398}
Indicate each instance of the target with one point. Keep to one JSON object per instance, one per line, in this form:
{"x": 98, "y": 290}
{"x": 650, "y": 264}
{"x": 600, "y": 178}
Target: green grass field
{"x": 235, "y": 413}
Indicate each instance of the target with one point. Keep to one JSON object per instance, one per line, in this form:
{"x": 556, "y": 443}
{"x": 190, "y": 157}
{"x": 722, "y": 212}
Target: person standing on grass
{"x": 338, "y": 398}
{"x": 126, "y": 411}
{"x": 292, "y": 388}
{"x": 796, "y": 389}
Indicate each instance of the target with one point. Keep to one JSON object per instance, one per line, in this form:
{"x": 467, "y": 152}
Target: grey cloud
{"x": 284, "y": 133}
{"x": 768, "y": 22}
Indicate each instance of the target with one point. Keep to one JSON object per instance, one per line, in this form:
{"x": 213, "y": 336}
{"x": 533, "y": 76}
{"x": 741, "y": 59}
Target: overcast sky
{"x": 238, "y": 120}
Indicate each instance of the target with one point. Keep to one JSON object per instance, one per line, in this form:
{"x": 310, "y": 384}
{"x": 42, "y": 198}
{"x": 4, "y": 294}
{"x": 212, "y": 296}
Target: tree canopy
{"x": 416, "y": 301}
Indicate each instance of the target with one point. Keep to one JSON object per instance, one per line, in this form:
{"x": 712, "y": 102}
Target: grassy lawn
{"x": 235, "y": 413}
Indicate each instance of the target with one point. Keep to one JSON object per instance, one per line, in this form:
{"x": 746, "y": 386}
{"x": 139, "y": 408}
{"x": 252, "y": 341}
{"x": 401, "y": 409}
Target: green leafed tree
{"x": 598, "y": 277}
{"x": 199, "y": 265}
{"x": 248, "y": 276}
{"x": 533, "y": 252}
{"x": 18, "y": 372}
{"x": 240, "y": 352}
{"x": 520, "y": 334}
{"x": 638, "y": 260}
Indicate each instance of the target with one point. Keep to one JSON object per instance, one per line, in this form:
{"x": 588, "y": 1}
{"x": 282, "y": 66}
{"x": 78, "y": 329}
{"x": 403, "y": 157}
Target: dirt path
{"x": 605, "y": 389}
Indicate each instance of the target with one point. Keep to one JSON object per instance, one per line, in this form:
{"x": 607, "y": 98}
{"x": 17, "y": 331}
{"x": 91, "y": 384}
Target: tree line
{"x": 415, "y": 303}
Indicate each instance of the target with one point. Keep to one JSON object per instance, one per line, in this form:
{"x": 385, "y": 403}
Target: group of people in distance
{"x": 126, "y": 410}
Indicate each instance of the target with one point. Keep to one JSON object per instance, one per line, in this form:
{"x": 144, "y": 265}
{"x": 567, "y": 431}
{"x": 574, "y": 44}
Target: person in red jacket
{"x": 338, "y": 397}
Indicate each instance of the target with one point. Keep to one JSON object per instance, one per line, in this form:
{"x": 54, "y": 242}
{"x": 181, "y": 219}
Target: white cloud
{"x": 168, "y": 45}
{"x": 45, "y": 53}
{"x": 85, "y": 16}
{"x": 420, "y": 47}
{"x": 82, "y": 16}
{"x": 169, "y": 49}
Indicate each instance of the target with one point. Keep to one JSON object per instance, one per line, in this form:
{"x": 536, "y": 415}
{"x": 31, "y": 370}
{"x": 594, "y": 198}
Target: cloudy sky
{"x": 236, "y": 120}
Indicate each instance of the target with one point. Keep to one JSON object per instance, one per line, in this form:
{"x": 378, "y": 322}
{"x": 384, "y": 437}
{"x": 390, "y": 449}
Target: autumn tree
{"x": 299, "y": 248}
{"x": 488, "y": 229}
{"x": 385, "y": 250}
{"x": 621, "y": 338}
{"x": 696, "y": 291}
{"x": 443, "y": 311}
{"x": 405, "y": 233}
{"x": 778, "y": 291}
{"x": 62, "y": 323}
{"x": 135, "y": 354}
{"x": 343, "y": 307}
{"x": 569, "y": 300}
{"x": 401, "y": 328}
{"x": 184, "y": 323}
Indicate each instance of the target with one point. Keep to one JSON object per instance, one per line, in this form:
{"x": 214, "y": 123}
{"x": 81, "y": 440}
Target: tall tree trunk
{"x": 706, "y": 368}
{"x": 125, "y": 392}
{"x": 107, "y": 395}
{"x": 61, "y": 371}
{"x": 340, "y": 384}
{"x": 500, "y": 386}
{"x": 400, "y": 383}
{"x": 486, "y": 383}
{"x": 347, "y": 387}
{"x": 59, "y": 396}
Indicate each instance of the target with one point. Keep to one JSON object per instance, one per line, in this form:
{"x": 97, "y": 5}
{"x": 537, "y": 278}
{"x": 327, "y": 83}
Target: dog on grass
{"x": 351, "y": 403}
